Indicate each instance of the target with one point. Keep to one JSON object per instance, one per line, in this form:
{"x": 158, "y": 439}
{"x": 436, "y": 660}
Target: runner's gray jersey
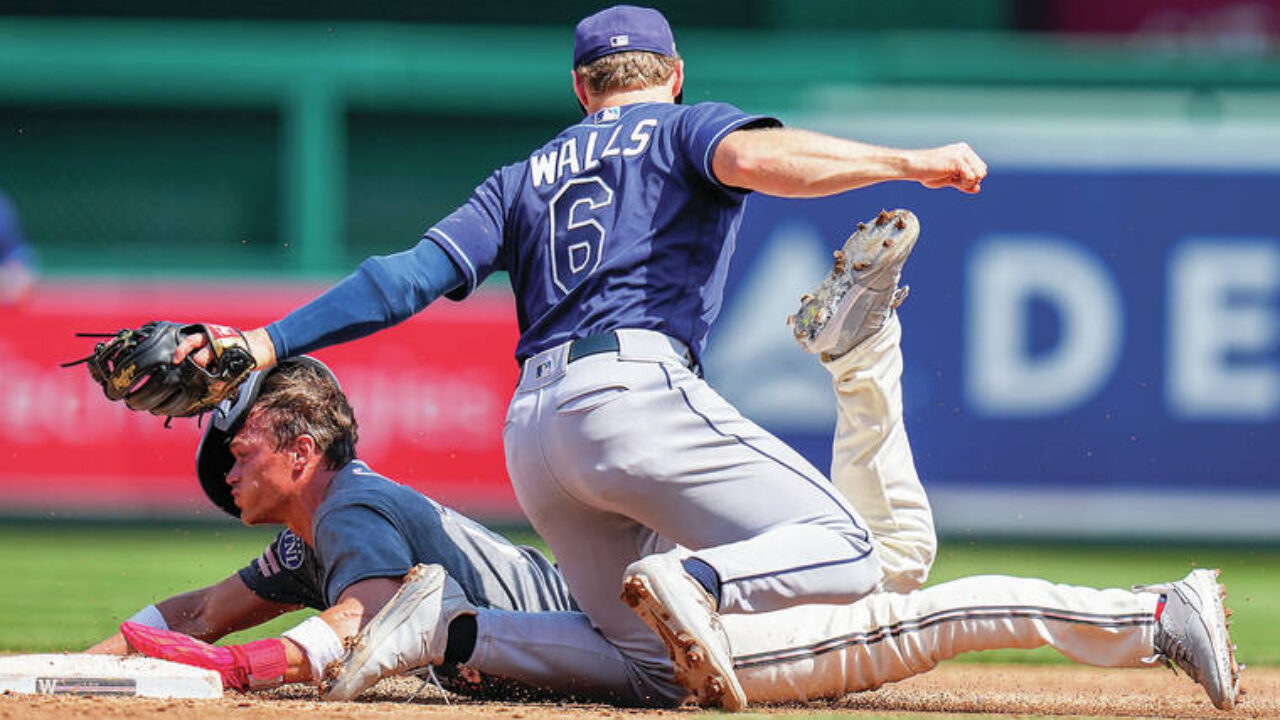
{"x": 369, "y": 527}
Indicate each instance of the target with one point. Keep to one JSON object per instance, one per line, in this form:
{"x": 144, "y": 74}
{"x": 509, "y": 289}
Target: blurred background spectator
{"x": 17, "y": 258}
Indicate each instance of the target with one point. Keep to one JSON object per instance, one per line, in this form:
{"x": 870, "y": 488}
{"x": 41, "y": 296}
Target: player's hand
{"x": 259, "y": 664}
{"x": 197, "y": 346}
{"x": 114, "y": 645}
{"x": 955, "y": 165}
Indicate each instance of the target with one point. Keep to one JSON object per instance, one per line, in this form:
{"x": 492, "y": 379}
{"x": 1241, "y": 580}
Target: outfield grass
{"x": 69, "y": 585}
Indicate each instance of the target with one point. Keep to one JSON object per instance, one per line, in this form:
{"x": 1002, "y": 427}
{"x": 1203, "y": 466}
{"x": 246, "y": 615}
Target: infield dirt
{"x": 954, "y": 690}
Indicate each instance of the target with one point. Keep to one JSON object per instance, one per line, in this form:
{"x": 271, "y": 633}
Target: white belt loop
{"x": 651, "y": 344}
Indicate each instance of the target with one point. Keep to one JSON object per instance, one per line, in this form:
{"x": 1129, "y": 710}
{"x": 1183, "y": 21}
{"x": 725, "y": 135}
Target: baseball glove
{"x": 136, "y": 366}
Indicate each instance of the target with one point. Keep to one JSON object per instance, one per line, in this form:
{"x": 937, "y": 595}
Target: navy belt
{"x": 593, "y": 345}
{"x": 608, "y": 342}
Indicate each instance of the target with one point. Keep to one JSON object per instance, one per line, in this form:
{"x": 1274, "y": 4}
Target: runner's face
{"x": 262, "y": 477}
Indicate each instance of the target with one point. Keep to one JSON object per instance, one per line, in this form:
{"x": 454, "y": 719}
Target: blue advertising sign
{"x": 1076, "y": 333}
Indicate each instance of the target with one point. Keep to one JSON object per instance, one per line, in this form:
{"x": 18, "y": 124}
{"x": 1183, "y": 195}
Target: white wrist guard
{"x": 321, "y": 644}
{"x": 151, "y": 617}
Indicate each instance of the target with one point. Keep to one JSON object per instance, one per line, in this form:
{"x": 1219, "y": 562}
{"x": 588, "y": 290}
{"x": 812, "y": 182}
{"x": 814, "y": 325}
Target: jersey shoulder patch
{"x": 287, "y": 552}
{"x": 291, "y": 550}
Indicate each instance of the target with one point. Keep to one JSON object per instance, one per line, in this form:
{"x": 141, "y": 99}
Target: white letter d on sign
{"x": 1002, "y": 376}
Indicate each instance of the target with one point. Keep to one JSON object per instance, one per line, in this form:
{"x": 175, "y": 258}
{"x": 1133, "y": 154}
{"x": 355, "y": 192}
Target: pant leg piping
{"x": 953, "y": 615}
{"x": 800, "y": 568}
{"x": 866, "y": 535}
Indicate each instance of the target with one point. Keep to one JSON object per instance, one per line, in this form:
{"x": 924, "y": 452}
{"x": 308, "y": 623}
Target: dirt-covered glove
{"x": 259, "y": 664}
{"x": 136, "y": 366}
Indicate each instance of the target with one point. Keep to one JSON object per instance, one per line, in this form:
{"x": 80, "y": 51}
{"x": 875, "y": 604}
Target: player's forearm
{"x": 316, "y": 642}
{"x": 798, "y": 163}
{"x": 180, "y": 613}
{"x": 211, "y": 613}
{"x": 383, "y": 291}
{"x": 342, "y": 621}
{"x": 114, "y": 645}
{"x": 189, "y": 614}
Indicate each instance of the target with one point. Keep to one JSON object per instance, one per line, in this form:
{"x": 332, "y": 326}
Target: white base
{"x": 81, "y": 674}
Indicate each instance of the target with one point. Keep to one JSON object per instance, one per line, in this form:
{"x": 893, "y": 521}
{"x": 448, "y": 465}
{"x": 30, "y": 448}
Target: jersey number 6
{"x": 577, "y": 238}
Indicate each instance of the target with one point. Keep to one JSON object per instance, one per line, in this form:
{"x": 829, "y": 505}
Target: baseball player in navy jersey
{"x": 283, "y": 452}
{"x": 616, "y": 235}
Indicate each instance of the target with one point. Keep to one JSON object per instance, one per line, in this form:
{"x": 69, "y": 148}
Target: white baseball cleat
{"x": 679, "y": 610}
{"x": 856, "y": 297}
{"x": 409, "y": 632}
{"x": 1192, "y": 634}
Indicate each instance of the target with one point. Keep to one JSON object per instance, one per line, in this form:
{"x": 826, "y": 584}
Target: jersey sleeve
{"x": 383, "y": 291}
{"x": 472, "y": 235}
{"x": 286, "y": 572}
{"x": 705, "y": 125}
{"x": 358, "y": 542}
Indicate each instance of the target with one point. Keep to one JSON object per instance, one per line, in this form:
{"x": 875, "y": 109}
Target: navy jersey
{"x": 617, "y": 222}
{"x": 369, "y": 527}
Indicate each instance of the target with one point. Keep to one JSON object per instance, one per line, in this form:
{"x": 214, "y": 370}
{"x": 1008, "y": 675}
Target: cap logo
{"x": 619, "y": 40}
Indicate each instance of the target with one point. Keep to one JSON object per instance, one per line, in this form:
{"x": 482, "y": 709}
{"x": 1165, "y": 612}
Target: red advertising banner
{"x": 430, "y": 396}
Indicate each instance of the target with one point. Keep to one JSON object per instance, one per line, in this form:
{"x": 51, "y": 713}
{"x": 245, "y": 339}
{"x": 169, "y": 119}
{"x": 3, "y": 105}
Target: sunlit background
{"x": 1092, "y": 344}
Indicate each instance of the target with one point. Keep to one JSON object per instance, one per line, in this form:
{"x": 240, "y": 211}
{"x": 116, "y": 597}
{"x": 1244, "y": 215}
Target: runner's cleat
{"x": 855, "y": 299}
{"x": 1192, "y": 634}
{"x": 677, "y": 608}
{"x": 409, "y": 632}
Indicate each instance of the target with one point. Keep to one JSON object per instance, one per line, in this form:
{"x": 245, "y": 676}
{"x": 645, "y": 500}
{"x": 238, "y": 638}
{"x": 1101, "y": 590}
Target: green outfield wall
{"x": 219, "y": 146}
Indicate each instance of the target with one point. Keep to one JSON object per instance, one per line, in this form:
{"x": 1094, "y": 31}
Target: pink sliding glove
{"x": 259, "y": 664}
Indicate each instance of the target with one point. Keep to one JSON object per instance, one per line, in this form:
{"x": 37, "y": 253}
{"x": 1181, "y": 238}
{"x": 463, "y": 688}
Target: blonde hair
{"x": 627, "y": 71}
{"x": 299, "y": 398}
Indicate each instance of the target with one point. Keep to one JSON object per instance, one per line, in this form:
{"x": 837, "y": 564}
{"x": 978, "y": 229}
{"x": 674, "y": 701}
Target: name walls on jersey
{"x": 1221, "y": 328}
{"x": 549, "y": 167}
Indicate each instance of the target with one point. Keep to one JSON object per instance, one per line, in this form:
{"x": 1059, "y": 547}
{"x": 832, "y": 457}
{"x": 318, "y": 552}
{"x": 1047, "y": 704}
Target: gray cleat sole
{"x": 862, "y": 282}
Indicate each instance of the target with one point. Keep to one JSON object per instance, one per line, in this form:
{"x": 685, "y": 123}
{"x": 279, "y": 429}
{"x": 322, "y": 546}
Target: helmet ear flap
{"x": 213, "y": 457}
{"x": 213, "y": 463}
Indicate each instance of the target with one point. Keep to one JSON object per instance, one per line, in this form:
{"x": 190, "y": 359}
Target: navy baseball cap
{"x": 622, "y": 28}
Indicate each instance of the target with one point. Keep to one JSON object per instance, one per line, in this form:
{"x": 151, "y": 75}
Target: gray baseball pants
{"x": 618, "y": 455}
